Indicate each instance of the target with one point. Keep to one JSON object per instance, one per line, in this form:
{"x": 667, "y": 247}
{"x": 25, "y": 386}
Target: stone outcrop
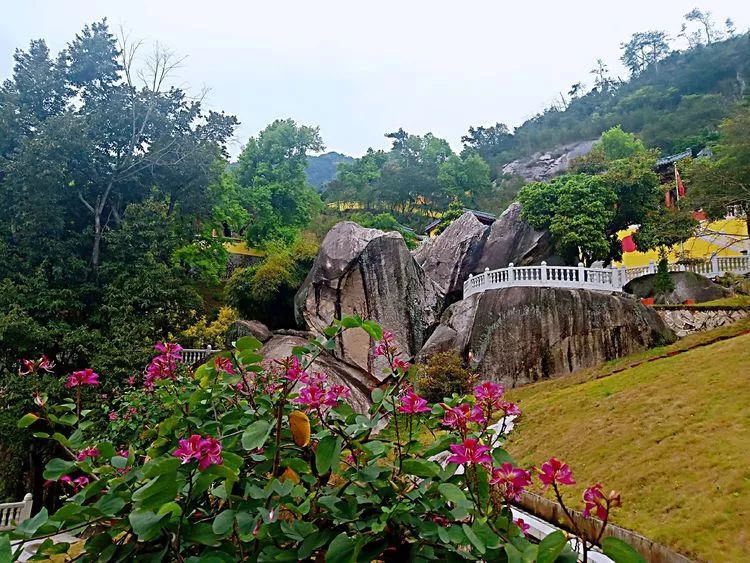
{"x": 687, "y": 321}
{"x": 511, "y": 239}
{"x": 241, "y": 328}
{"x": 687, "y": 285}
{"x": 372, "y": 274}
{"x": 545, "y": 165}
{"x": 449, "y": 258}
{"x": 358, "y": 381}
{"x": 523, "y": 334}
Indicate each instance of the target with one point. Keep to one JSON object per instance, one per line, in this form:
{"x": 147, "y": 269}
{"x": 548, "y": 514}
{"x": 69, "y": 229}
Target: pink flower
{"x": 32, "y": 366}
{"x": 39, "y": 399}
{"x": 523, "y": 525}
{"x": 555, "y": 471}
{"x": 88, "y": 452}
{"x": 225, "y": 365}
{"x": 477, "y": 415}
{"x": 113, "y": 415}
{"x": 510, "y": 409}
{"x": 161, "y": 367}
{"x": 77, "y": 484}
{"x": 206, "y": 450}
{"x": 594, "y": 499}
{"x": 384, "y": 346}
{"x": 123, "y": 453}
{"x": 470, "y": 452}
{"x": 293, "y": 370}
{"x": 398, "y": 363}
{"x": 411, "y": 403}
{"x": 335, "y": 394}
{"x": 169, "y": 350}
{"x": 511, "y": 480}
{"x": 489, "y": 392}
{"x": 457, "y": 417}
{"x": 27, "y": 367}
{"x": 83, "y": 377}
{"x": 131, "y": 380}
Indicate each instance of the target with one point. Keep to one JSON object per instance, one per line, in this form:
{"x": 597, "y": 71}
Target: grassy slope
{"x": 673, "y": 435}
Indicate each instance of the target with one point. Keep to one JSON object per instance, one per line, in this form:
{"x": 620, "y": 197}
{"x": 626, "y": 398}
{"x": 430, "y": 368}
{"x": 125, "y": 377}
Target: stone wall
{"x": 689, "y": 320}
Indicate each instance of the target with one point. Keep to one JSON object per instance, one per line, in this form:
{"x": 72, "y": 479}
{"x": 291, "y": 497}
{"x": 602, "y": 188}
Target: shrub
{"x": 443, "y": 375}
{"x": 205, "y": 332}
{"x": 268, "y": 462}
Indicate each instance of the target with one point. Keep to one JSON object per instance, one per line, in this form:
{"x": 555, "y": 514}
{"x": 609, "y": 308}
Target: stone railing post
{"x": 623, "y": 275}
{"x": 651, "y": 267}
{"x": 26, "y": 510}
{"x": 543, "y": 270}
{"x": 511, "y": 273}
{"x": 581, "y": 273}
{"x": 715, "y": 265}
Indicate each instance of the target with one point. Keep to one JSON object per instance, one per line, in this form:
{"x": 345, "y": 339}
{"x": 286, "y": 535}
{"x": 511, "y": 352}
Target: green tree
{"x": 465, "y": 178}
{"x": 645, "y": 48}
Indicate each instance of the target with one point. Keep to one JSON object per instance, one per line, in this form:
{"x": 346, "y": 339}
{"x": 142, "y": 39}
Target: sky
{"x": 361, "y": 69}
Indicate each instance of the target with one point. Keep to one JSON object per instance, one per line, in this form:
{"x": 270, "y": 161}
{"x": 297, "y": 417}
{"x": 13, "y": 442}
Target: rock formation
{"x": 545, "y": 165}
{"x": 359, "y": 382}
{"x": 687, "y": 285}
{"x": 523, "y": 334}
{"x": 241, "y": 328}
{"x": 372, "y": 274}
{"x": 449, "y": 258}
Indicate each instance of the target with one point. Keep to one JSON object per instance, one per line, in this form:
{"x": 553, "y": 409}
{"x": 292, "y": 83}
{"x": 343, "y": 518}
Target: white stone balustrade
{"x": 597, "y": 279}
{"x": 194, "y": 355}
{"x": 13, "y": 513}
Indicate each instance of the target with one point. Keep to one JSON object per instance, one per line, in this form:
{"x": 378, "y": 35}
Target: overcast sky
{"x": 359, "y": 69}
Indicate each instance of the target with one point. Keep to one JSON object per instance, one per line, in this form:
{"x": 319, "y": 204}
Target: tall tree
{"x": 644, "y": 49}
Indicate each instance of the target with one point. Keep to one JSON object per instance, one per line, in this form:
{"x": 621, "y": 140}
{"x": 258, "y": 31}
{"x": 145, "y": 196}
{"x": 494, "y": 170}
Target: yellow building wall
{"x": 720, "y": 238}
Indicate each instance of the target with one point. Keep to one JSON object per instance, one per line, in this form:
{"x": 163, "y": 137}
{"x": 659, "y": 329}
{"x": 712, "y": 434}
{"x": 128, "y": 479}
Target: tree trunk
{"x": 96, "y": 251}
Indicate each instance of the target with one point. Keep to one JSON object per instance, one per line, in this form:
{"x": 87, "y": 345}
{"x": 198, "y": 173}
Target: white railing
{"x": 597, "y": 279}
{"x": 13, "y": 513}
{"x": 194, "y": 355}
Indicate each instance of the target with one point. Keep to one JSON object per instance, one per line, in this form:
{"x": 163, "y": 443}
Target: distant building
{"x": 431, "y": 230}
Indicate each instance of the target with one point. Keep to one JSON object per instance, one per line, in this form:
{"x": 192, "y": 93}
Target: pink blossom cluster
{"x": 88, "y": 452}
{"x": 387, "y": 348}
{"x": 595, "y": 500}
{"x": 488, "y": 403}
{"x": 29, "y": 367}
{"x": 317, "y": 394}
{"x": 411, "y": 403}
{"x": 225, "y": 365}
{"x": 207, "y": 451}
{"x": 76, "y": 484}
{"x": 164, "y": 365}
{"x": 80, "y": 378}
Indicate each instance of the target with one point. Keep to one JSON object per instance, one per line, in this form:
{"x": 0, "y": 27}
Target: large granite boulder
{"x": 543, "y": 166}
{"x": 523, "y": 334}
{"x": 358, "y": 381}
{"x": 372, "y": 274}
{"x": 687, "y": 285}
{"x": 241, "y": 328}
{"x": 449, "y": 258}
{"x": 511, "y": 239}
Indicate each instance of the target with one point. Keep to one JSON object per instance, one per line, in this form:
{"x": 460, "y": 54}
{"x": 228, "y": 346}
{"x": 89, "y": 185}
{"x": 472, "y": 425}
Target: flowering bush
{"x": 269, "y": 462}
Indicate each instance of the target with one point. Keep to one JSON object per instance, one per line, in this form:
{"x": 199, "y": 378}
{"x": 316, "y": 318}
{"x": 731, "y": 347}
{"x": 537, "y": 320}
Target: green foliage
{"x": 210, "y": 333}
{"x": 321, "y": 169}
{"x": 663, "y": 283}
{"x": 385, "y": 222}
{"x": 443, "y": 375}
{"x": 233, "y": 480}
{"x": 617, "y": 144}
{"x": 265, "y": 291}
{"x": 577, "y": 210}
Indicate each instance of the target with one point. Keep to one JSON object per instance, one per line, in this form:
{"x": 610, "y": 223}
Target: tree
{"x": 716, "y": 185}
{"x": 273, "y": 185}
{"x": 577, "y": 210}
{"x": 705, "y": 20}
{"x": 617, "y": 144}
{"x": 644, "y": 49}
{"x": 466, "y": 179}
{"x": 489, "y": 142}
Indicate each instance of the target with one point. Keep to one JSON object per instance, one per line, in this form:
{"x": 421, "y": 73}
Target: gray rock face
{"x": 242, "y": 328}
{"x": 359, "y": 382}
{"x": 511, "y": 239}
{"x": 545, "y": 165}
{"x": 372, "y": 274}
{"x": 449, "y": 258}
{"x": 523, "y": 334}
{"x": 687, "y": 285}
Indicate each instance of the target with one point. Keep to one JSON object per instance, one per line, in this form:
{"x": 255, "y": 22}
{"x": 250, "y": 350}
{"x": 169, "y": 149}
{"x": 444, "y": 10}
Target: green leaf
{"x": 56, "y": 468}
{"x": 248, "y": 343}
{"x": 202, "y": 533}
{"x": 501, "y": 456}
{"x": 420, "y": 467}
{"x": 550, "y": 547}
{"x": 341, "y": 550}
{"x": 223, "y": 522}
{"x": 30, "y": 526}
{"x": 376, "y": 395}
{"x": 110, "y": 504}
{"x": 473, "y": 538}
{"x": 440, "y": 446}
{"x": 27, "y": 420}
{"x": 146, "y": 525}
{"x": 5, "y": 552}
{"x": 328, "y": 450}
{"x": 513, "y": 554}
{"x": 161, "y": 466}
{"x": 451, "y": 492}
{"x": 620, "y": 552}
{"x": 351, "y": 322}
{"x": 373, "y": 329}
{"x": 256, "y": 434}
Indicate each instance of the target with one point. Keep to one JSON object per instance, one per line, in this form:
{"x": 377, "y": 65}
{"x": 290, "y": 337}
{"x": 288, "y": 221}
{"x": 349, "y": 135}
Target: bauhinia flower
{"x": 489, "y": 392}
{"x": 161, "y": 367}
{"x": 594, "y": 500}
{"x": 169, "y": 349}
{"x": 77, "y": 484}
{"x": 511, "y": 480}
{"x": 470, "y": 452}
{"x": 316, "y": 394}
{"x": 207, "y": 451}
{"x": 83, "y": 377}
{"x": 293, "y": 370}
{"x": 510, "y": 409}
{"x": 411, "y": 403}
{"x": 40, "y": 400}
{"x": 457, "y": 417}
{"x": 523, "y": 525}
{"x": 398, "y": 363}
{"x": 554, "y": 471}
{"x": 385, "y": 346}
{"x": 32, "y": 366}
{"x": 225, "y": 365}
{"x": 88, "y": 452}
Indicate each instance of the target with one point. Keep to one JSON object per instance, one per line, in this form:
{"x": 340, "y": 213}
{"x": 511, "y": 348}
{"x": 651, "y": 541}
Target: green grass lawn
{"x": 673, "y": 435}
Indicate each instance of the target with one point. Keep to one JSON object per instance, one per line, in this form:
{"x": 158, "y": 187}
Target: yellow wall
{"x": 714, "y": 241}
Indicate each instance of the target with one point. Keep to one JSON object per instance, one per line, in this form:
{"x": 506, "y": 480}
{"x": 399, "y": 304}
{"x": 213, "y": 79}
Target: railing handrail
{"x": 597, "y": 279}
